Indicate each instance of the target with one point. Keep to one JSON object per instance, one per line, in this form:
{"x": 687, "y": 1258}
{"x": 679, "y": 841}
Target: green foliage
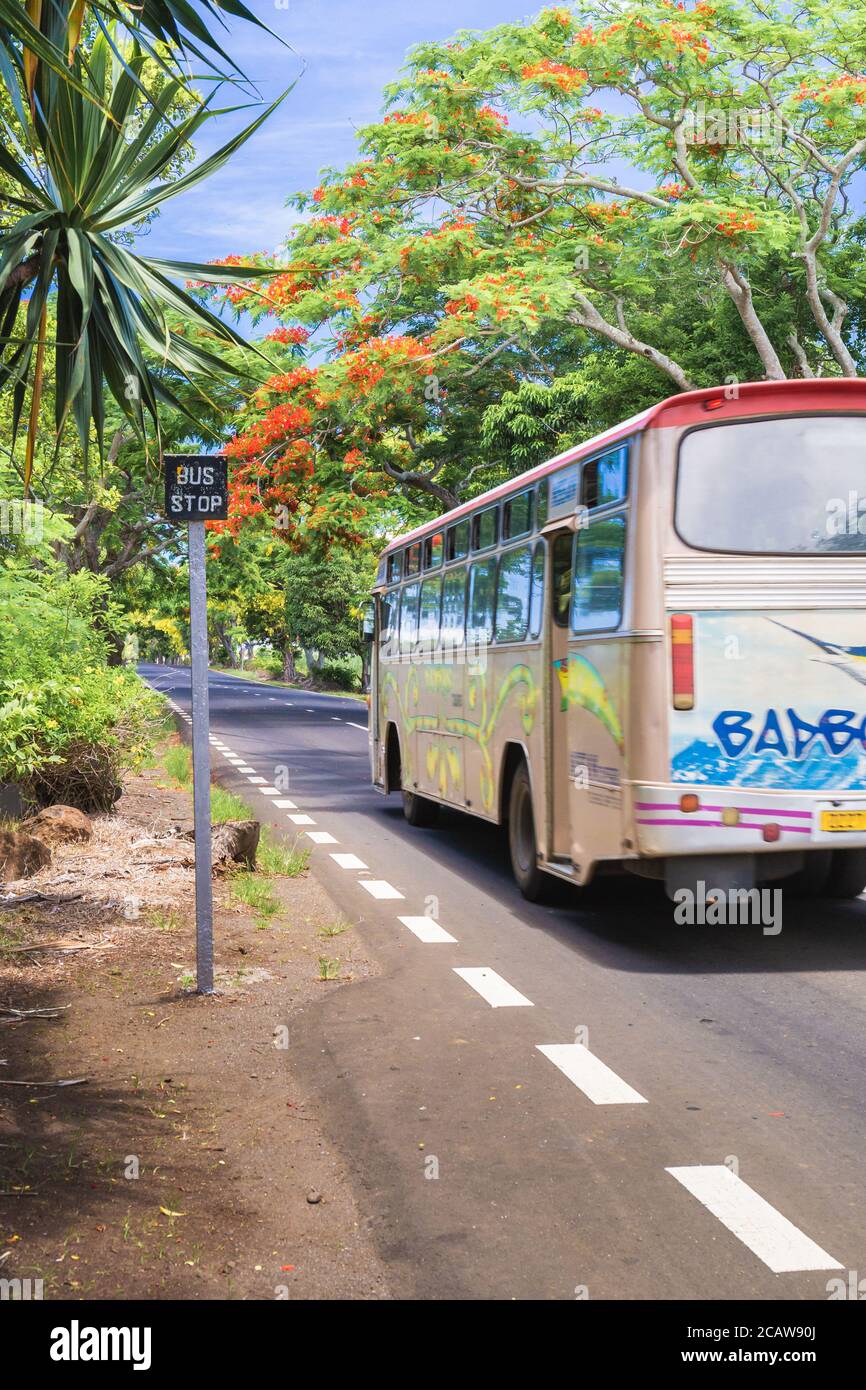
{"x": 323, "y": 600}
{"x": 551, "y": 197}
{"x": 178, "y": 765}
{"x": 256, "y": 893}
{"x": 226, "y": 806}
{"x": 83, "y": 171}
{"x": 345, "y": 675}
{"x": 274, "y": 856}
{"x": 69, "y": 724}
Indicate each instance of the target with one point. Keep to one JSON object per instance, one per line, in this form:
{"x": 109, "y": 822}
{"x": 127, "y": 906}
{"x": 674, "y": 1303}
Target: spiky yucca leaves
{"x": 48, "y": 31}
{"x": 81, "y": 172}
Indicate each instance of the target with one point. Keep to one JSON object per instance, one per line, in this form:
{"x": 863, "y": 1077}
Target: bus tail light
{"x": 682, "y": 660}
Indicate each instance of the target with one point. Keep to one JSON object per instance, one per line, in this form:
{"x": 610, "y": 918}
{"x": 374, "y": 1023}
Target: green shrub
{"x": 344, "y": 674}
{"x": 228, "y": 806}
{"x": 178, "y": 764}
{"x": 69, "y": 724}
{"x": 89, "y": 731}
{"x": 271, "y": 663}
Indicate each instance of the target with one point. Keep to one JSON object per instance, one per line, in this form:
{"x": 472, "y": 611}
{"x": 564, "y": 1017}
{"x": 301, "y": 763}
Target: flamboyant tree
{"x": 581, "y": 183}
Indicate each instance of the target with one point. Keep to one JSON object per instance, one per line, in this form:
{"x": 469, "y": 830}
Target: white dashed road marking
{"x": 379, "y": 888}
{"x": 766, "y": 1232}
{"x": 269, "y": 791}
{"x": 284, "y": 805}
{"x": 590, "y": 1075}
{"x": 321, "y": 837}
{"x": 348, "y": 861}
{"x": 426, "y": 929}
{"x": 498, "y": 992}
{"x": 257, "y": 781}
{"x": 301, "y": 820}
{"x": 245, "y": 767}
{"x": 353, "y": 725}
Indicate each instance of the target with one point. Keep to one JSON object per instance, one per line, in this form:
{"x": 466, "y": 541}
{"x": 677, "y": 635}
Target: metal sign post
{"x": 196, "y": 489}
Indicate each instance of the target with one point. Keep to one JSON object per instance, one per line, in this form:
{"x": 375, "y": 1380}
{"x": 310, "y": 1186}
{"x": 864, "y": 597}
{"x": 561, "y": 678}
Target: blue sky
{"x": 350, "y": 51}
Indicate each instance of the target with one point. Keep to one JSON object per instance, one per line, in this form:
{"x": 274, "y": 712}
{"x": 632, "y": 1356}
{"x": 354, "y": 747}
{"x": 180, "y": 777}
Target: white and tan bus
{"x": 649, "y": 653}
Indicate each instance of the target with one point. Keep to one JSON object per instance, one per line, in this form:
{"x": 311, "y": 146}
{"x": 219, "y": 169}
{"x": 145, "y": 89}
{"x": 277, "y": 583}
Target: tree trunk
{"x": 289, "y": 674}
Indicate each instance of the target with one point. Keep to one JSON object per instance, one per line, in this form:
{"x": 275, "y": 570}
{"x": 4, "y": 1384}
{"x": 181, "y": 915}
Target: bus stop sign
{"x": 196, "y": 487}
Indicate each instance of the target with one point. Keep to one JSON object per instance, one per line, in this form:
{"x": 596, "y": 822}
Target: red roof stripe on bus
{"x": 753, "y": 398}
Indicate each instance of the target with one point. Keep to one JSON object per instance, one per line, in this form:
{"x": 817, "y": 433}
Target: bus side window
{"x": 454, "y": 608}
{"x": 517, "y": 516}
{"x": 457, "y": 541}
{"x": 561, "y": 575}
{"x": 536, "y": 602}
{"x": 387, "y": 614}
{"x": 485, "y": 528}
{"x": 598, "y": 584}
{"x": 428, "y": 621}
{"x": 513, "y": 588}
{"x": 605, "y": 480}
{"x": 408, "y": 617}
{"x": 482, "y": 598}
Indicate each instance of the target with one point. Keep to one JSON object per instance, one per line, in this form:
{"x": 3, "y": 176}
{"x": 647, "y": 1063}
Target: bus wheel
{"x": 521, "y": 838}
{"x": 418, "y": 810}
{"x": 811, "y": 880}
{"x": 847, "y": 873}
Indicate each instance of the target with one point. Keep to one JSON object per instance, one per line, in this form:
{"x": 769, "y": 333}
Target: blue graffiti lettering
{"x": 739, "y": 729}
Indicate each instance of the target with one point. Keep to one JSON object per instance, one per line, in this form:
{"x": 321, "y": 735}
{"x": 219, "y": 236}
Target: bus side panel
{"x": 502, "y": 707}
{"x": 439, "y": 760}
{"x": 592, "y": 687}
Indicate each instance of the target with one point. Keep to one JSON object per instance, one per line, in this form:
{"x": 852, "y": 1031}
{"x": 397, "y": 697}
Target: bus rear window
{"x": 795, "y": 485}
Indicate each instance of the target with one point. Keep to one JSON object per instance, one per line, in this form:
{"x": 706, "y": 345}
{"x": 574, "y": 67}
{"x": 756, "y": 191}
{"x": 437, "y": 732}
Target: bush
{"x": 90, "y": 731}
{"x": 345, "y": 674}
{"x": 69, "y": 724}
{"x": 270, "y": 663}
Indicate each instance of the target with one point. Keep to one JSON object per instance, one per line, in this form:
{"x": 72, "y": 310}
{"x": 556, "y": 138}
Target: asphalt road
{"x": 489, "y": 1168}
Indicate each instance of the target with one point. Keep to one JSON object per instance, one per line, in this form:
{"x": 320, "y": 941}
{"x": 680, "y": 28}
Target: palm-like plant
{"x": 49, "y": 31}
{"x": 81, "y": 170}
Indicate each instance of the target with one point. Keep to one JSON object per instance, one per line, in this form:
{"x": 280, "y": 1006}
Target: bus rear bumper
{"x": 674, "y": 819}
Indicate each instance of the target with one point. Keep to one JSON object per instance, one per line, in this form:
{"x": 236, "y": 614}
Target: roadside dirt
{"x": 189, "y": 1163}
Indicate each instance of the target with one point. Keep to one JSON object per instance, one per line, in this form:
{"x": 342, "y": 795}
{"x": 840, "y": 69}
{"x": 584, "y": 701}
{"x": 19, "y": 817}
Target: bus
{"x": 649, "y": 653}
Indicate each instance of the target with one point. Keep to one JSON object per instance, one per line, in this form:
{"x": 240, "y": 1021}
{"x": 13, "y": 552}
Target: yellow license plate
{"x": 843, "y": 820}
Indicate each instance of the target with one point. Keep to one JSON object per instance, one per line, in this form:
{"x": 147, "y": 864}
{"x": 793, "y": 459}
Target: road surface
{"x": 566, "y": 1101}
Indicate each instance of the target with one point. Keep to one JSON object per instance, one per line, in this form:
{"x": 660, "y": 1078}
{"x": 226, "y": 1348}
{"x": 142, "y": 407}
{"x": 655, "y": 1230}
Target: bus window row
{"x": 501, "y": 598}
{"x": 498, "y": 599}
{"x": 598, "y": 482}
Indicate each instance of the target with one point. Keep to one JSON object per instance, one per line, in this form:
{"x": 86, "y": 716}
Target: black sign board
{"x": 196, "y": 487}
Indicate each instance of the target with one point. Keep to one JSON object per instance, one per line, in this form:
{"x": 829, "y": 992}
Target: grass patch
{"x": 276, "y": 857}
{"x": 333, "y": 929}
{"x": 178, "y": 764}
{"x": 228, "y": 806}
{"x": 257, "y": 893}
{"x": 224, "y": 805}
{"x": 329, "y": 969}
{"x": 165, "y": 921}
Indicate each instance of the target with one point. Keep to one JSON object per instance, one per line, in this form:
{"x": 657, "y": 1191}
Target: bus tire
{"x": 419, "y": 810}
{"x": 847, "y": 873}
{"x": 811, "y": 881}
{"x": 522, "y": 844}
